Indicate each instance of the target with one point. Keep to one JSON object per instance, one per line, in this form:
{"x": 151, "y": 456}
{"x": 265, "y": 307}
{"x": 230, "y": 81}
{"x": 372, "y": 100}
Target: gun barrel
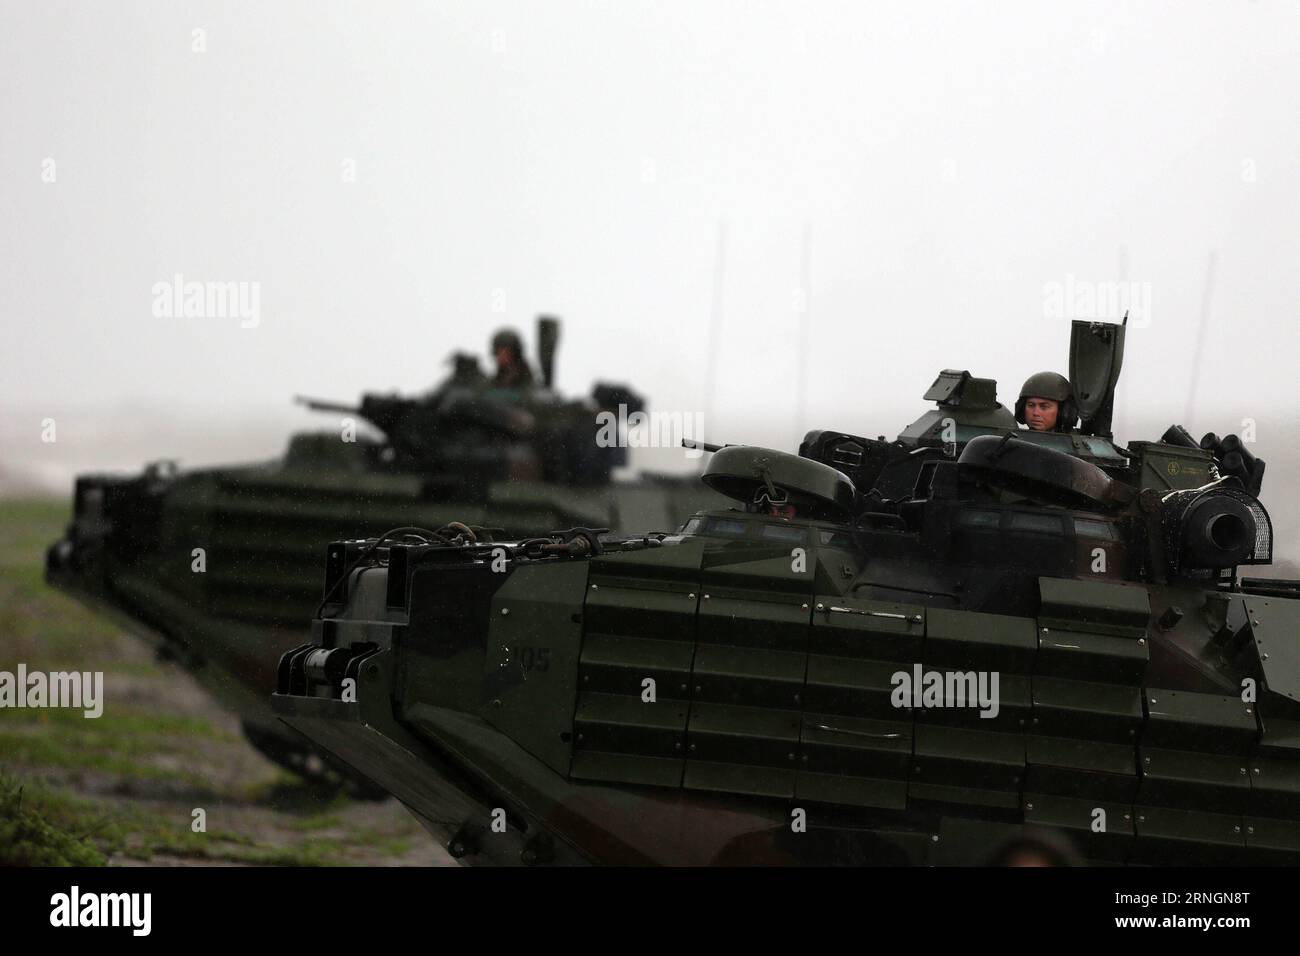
{"x": 316, "y": 405}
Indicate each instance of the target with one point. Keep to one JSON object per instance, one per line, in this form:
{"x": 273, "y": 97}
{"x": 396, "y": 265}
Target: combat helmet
{"x": 1051, "y": 385}
{"x": 508, "y": 339}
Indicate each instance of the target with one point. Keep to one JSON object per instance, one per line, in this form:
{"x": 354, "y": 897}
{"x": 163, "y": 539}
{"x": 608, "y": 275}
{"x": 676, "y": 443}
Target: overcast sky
{"x": 904, "y": 187}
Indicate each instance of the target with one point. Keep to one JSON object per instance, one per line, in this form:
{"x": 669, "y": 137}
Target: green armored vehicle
{"x": 220, "y": 566}
{"x": 968, "y": 643}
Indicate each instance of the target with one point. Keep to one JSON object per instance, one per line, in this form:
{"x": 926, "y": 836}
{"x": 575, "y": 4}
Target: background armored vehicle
{"x": 916, "y": 651}
{"x": 521, "y": 460}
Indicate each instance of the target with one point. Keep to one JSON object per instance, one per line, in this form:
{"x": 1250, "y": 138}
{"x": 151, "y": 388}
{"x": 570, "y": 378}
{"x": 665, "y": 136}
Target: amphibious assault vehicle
{"x": 912, "y": 652}
{"x": 220, "y": 566}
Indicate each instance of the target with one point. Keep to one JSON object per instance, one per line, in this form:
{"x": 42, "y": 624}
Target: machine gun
{"x": 470, "y": 429}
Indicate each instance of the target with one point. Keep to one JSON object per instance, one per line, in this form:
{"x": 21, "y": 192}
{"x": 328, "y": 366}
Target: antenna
{"x": 805, "y": 325}
{"x": 1200, "y": 340}
{"x": 715, "y": 322}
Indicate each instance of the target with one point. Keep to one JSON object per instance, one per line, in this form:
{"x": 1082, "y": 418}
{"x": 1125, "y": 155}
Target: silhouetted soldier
{"x": 512, "y": 368}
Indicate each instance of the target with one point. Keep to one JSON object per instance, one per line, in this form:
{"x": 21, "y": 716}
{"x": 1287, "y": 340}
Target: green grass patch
{"x": 110, "y": 828}
{"x": 121, "y": 720}
{"x": 38, "y": 623}
{"x": 30, "y": 526}
{"x": 147, "y": 768}
{"x": 138, "y": 744}
{"x": 28, "y": 839}
{"x": 29, "y": 750}
{"x": 317, "y": 821}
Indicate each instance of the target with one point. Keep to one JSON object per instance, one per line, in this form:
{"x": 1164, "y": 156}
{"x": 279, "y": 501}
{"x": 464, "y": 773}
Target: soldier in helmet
{"x": 512, "y": 368}
{"x": 1046, "y": 403}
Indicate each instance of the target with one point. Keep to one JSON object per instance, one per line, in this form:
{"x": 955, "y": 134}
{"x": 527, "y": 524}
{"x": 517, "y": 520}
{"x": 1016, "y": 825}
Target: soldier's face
{"x": 504, "y": 357}
{"x": 1040, "y": 413}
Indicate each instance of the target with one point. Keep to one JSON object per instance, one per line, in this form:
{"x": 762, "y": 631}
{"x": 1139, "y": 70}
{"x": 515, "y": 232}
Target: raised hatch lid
{"x": 742, "y": 472}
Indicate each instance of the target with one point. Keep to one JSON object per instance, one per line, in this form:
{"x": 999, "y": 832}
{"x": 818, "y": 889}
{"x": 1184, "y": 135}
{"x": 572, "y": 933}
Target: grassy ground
{"x": 124, "y": 788}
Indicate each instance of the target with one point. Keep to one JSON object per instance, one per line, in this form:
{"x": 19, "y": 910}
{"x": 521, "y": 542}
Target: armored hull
{"x": 707, "y": 699}
{"x": 966, "y": 644}
{"x": 130, "y": 551}
{"x": 219, "y": 567}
